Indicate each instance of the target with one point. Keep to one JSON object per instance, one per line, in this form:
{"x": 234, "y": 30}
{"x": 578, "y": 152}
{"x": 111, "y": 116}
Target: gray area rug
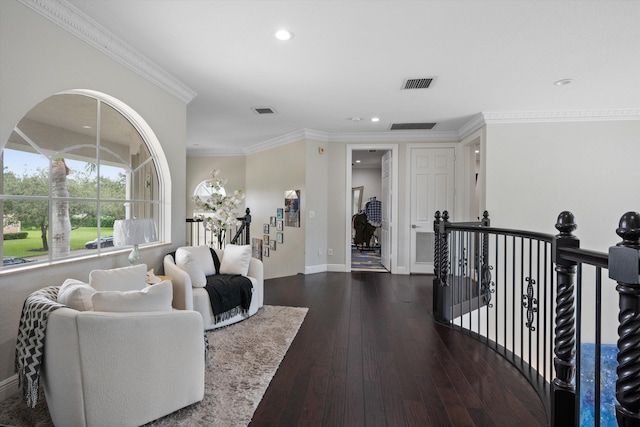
{"x": 244, "y": 357}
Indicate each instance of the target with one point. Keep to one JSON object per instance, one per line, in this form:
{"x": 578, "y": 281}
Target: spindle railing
{"x": 528, "y": 296}
{"x": 198, "y": 234}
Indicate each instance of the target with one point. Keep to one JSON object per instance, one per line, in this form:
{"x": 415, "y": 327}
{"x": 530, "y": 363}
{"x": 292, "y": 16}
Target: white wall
{"x": 199, "y": 169}
{"x": 39, "y": 59}
{"x": 317, "y": 202}
{"x": 536, "y": 171}
{"x": 370, "y": 179}
{"x": 268, "y": 175}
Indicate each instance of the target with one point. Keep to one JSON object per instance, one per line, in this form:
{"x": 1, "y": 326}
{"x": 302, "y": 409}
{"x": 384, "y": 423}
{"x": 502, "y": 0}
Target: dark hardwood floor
{"x": 370, "y": 354}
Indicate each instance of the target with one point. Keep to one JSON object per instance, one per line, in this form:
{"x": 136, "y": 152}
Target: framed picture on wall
{"x": 265, "y": 240}
{"x": 272, "y": 221}
{"x": 265, "y": 229}
{"x": 265, "y": 251}
{"x": 280, "y": 225}
{"x": 280, "y": 213}
{"x": 256, "y": 248}
{"x": 272, "y": 245}
{"x": 292, "y": 208}
{"x": 279, "y": 237}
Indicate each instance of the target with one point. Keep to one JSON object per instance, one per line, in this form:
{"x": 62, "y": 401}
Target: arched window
{"x": 204, "y": 190}
{"x": 74, "y": 164}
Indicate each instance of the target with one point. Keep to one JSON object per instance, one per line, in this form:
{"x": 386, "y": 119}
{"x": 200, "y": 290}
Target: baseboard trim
{"x": 312, "y": 269}
{"x": 337, "y": 267}
{"x": 8, "y": 387}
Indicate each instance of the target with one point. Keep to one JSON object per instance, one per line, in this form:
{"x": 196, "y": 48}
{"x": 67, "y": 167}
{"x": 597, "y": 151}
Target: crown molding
{"x": 612, "y": 114}
{"x": 389, "y": 136}
{"x": 80, "y": 25}
{"x": 475, "y": 123}
{"x": 396, "y": 136}
{"x": 215, "y": 151}
{"x": 285, "y": 139}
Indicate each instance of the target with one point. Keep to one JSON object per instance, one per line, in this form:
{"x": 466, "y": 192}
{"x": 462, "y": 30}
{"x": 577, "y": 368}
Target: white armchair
{"x": 186, "y": 296}
{"x": 121, "y": 369}
{"x": 116, "y": 353}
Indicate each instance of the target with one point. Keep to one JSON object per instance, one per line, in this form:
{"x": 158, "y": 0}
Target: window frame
{"x": 160, "y": 200}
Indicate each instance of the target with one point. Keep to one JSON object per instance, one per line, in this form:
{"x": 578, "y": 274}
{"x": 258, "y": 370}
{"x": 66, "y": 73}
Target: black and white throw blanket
{"x": 229, "y": 295}
{"x": 31, "y": 336}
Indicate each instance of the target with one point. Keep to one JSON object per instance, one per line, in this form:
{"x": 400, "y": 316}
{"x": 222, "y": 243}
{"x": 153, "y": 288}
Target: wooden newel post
{"x": 441, "y": 294}
{"x": 563, "y": 391}
{"x": 247, "y": 221}
{"x": 624, "y": 268}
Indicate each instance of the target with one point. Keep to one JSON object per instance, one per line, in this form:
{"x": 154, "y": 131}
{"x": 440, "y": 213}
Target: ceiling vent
{"x": 263, "y": 110}
{"x": 412, "y": 126}
{"x": 423, "y": 83}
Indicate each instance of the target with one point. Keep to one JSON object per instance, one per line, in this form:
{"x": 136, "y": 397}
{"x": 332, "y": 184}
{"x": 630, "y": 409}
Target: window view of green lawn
{"x": 32, "y": 245}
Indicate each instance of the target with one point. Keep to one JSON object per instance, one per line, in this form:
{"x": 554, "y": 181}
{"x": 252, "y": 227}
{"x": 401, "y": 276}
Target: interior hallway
{"x": 369, "y": 353}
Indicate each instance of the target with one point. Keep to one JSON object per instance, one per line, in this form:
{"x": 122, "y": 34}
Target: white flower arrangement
{"x": 219, "y": 208}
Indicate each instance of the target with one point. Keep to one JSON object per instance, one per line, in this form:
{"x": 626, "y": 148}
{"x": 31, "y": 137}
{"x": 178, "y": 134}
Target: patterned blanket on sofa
{"x": 31, "y": 337}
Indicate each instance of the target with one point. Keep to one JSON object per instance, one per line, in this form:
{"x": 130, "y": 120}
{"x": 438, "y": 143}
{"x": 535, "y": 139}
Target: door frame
{"x": 394, "y": 200}
{"x": 466, "y": 155}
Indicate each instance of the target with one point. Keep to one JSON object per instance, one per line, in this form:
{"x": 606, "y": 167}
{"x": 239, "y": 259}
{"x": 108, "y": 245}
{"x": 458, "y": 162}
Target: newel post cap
{"x": 566, "y": 225}
{"x": 624, "y": 258}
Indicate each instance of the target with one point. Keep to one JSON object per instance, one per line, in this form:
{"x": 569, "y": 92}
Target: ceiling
{"x": 348, "y": 61}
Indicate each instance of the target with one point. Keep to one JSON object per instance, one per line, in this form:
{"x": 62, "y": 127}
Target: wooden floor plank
{"x": 370, "y": 354}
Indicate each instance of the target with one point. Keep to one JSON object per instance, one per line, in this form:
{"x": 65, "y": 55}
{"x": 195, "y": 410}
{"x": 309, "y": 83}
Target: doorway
{"x": 371, "y": 189}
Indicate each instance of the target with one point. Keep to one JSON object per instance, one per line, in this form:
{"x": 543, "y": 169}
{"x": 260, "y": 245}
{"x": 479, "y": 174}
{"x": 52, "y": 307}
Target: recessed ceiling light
{"x": 86, "y": 127}
{"x": 375, "y": 119}
{"x": 563, "y": 82}
{"x": 355, "y": 119}
{"x": 284, "y": 34}
{"x": 357, "y": 161}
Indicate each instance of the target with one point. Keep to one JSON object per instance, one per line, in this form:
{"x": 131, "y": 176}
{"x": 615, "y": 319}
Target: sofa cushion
{"x": 202, "y": 256}
{"x": 76, "y": 294}
{"x": 235, "y": 259}
{"x": 131, "y": 278}
{"x": 156, "y": 297}
{"x": 187, "y": 262}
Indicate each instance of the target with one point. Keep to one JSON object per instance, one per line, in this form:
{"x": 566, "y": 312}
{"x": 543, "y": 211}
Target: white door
{"x": 432, "y": 174}
{"x": 385, "y": 228}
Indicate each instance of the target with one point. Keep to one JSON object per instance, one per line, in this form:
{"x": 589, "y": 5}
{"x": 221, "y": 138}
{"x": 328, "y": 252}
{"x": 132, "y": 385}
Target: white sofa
{"x": 121, "y": 369}
{"x": 116, "y": 353}
{"x": 188, "y": 297}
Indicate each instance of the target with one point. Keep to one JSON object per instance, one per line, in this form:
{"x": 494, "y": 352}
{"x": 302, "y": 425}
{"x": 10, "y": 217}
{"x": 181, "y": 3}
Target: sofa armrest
{"x": 182, "y": 288}
{"x": 256, "y": 270}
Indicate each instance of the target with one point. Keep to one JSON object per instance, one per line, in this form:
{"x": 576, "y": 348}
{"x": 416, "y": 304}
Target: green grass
{"x": 32, "y": 245}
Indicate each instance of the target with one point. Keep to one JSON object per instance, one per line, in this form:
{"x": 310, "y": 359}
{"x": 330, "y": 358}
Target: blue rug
{"x": 369, "y": 260}
{"x": 608, "y": 377}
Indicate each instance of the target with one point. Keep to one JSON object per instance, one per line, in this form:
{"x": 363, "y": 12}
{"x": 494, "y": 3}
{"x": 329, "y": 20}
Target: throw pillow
{"x": 186, "y": 262}
{"x": 131, "y": 278}
{"x": 201, "y": 256}
{"x": 76, "y": 294}
{"x": 236, "y": 259}
{"x": 156, "y": 297}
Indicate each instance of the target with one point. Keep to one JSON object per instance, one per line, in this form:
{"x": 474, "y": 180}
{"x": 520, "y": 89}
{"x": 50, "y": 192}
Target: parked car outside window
{"x": 105, "y": 241}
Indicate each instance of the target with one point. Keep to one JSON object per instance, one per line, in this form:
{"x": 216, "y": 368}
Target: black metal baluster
{"x": 563, "y": 398}
{"x": 624, "y": 267}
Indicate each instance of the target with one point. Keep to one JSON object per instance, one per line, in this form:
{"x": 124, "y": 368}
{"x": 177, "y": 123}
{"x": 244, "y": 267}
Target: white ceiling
{"x": 349, "y": 59}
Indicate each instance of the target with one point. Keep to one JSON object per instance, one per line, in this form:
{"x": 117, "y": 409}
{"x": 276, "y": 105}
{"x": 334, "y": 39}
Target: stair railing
{"x": 521, "y": 293}
{"x": 197, "y": 233}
